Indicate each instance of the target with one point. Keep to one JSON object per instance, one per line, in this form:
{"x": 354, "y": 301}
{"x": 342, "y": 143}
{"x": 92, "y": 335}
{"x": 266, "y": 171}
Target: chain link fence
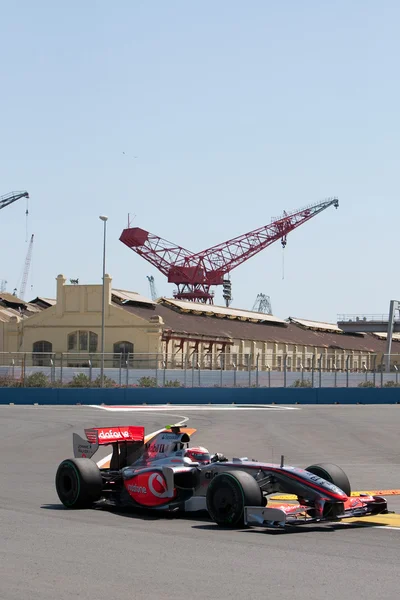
{"x": 223, "y": 370}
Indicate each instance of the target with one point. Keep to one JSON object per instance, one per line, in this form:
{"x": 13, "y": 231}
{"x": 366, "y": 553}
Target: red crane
{"x": 194, "y": 274}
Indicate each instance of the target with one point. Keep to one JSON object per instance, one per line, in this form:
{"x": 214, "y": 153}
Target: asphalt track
{"x": 48, "y": 552}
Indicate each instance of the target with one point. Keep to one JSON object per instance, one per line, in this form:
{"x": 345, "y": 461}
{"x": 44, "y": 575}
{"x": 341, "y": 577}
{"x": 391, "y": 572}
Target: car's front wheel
{"x": 228, "y": 494}
{"x": 78, "y": 482}
{"x": 333, "y": 474}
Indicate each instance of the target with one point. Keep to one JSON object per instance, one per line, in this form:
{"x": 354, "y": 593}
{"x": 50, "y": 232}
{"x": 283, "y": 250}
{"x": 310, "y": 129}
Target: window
{"x": 121, "y": 352}
{"x": 82, "y": 341}
{"x": 42, "y": 353}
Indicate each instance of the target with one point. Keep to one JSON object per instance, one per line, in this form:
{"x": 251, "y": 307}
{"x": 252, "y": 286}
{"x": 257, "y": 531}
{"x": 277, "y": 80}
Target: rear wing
{"x": 101, "y": 436}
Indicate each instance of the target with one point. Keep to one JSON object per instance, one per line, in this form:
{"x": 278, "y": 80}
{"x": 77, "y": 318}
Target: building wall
{"x": 244, "y": 354}
{"x": 78, "y": 308}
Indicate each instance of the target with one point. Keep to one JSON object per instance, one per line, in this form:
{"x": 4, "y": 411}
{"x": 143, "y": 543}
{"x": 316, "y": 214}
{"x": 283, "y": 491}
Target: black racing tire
{"x": 78, "y": 482}
{"x": 333, "y": 474}
{"x": 228, "y": 494}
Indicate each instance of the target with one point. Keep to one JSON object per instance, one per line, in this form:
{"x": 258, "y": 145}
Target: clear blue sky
{"x": 235, "y": 111}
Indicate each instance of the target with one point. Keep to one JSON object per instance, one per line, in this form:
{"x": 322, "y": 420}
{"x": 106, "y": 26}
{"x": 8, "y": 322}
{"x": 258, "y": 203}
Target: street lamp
{"x": 103, "y": 304}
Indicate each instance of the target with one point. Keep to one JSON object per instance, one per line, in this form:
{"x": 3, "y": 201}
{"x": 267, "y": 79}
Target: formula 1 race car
{"x": 162, "y": 472}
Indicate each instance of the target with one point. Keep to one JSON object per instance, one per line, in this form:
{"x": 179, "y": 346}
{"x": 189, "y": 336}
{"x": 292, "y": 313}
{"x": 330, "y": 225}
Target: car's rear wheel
{"x": 78, "y": 482}
{"x": 228, "y": 494}
{"x": 333, "y": 474}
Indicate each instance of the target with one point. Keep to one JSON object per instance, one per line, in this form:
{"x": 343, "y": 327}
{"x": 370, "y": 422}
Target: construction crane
{"x": 263, "y": 304}
{"x": 12, "y": 197}
{"x": 152, "y": 285}
{"x": 194, "y": 274}
{"x": 26, "y": 270}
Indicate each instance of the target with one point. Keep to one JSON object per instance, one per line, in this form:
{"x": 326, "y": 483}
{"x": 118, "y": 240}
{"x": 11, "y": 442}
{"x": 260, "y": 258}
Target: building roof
{"x": 41, "y": 299}
{"x": 13, "y": 307}
{"x": 126, "y": 296}
{"x": 316, "y": 325}
{"x": 219, "y": 311}
{"x": 10, "y": 298}
{"x": 383, "y": 335}
{"x": 6, "y": 314}
{"x": 188, "y": 324}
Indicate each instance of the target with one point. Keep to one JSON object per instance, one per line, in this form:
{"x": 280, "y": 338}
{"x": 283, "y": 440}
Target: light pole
{"x": 103, "y": 304}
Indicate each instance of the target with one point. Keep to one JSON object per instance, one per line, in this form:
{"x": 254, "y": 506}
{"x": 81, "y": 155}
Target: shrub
{"x": 391, "y": 384}
{"x": 107, "y": 382}
{"x": 80, "y": 380}
{"x": 305, "y": 383}
{"x": 173, "y": 383}
{"x": 366, "y": 384}
{"x": 7, "y": 381}
{"x": 37, "y": 380}
{"x": 147, "y": 382}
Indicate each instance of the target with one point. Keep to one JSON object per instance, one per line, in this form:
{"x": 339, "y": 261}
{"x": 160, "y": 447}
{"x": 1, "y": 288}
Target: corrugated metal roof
{"x": 27, "y": 310}
{"x": 10, "y": 298}
{"x": 316, "y": 325}
{"x": 50, "y": 301}
{"x": 6, "y": 314}
{"x": 287, "y": 333}
{"x": 383, "y": 335}
{"x": 220, "y": 311}
{"x": 125, "y": 295}
{"x": 32, "y": 308}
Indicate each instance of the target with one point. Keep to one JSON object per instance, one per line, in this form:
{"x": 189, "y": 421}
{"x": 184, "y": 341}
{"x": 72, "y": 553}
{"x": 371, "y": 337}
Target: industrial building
{"x": 139, "y": 329}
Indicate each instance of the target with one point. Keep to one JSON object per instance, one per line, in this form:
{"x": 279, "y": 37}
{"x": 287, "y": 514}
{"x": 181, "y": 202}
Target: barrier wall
{"x": 153, "y": 396}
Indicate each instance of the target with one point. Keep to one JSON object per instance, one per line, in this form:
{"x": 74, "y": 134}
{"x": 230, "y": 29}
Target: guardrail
{"x": 197, "y": 396}
{"x": 343, "y": 318}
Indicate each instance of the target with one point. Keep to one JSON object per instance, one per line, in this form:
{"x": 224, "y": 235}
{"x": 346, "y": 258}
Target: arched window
{"x": 41, "y": 353}
{"x": 121, "y": 352}
{"x": 82, "y": 341}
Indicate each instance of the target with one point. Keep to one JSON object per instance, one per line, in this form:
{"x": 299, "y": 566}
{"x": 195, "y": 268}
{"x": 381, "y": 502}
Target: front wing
{"x": 283, "y": 514}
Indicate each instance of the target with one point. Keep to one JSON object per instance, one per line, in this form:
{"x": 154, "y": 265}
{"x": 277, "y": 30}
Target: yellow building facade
{"x": 73, "y": 325}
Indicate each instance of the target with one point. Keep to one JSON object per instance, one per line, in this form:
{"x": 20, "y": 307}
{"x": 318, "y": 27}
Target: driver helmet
{"x": 199, "y": 455}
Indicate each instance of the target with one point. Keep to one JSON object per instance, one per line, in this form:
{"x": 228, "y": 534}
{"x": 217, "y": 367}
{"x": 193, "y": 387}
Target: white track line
{"x": 194, "y": 407}
{"x": 104, "y": 460}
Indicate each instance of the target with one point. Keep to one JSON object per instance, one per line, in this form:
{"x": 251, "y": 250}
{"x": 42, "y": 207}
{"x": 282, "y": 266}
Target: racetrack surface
{"x": 48, "y": 552}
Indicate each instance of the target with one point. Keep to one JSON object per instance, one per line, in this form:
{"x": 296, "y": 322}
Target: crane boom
{"x": 195, "y": 273}
{"x": 26, "y": 270}
{"x": 228, "y": 255}
{"x": 12, "y": 197}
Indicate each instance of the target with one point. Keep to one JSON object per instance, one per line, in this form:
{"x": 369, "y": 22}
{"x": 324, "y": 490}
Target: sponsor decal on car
{"x": 148, "y": 489}
{"x": 113, "y": 434}
{"x": 136, "y": 489}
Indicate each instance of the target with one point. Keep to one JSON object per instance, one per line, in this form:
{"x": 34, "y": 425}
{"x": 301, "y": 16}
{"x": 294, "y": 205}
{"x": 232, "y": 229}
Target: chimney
{"x": 60, "y": 306}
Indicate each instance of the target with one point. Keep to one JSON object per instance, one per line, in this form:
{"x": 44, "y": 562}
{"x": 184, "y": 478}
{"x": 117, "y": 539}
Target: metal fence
{"x": 243, "y": 370}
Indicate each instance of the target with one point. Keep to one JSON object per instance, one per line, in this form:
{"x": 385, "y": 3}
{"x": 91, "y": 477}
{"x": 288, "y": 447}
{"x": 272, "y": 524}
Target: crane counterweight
{"x": 194, "y": 274}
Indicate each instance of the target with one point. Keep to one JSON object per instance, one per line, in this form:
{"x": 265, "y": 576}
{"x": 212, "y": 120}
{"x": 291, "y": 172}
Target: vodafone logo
{"x": 149, "y": 489}
{"x": 113, "y": 435}
{"x": 137, "y": 489}
{"x": 157, "y": 485}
